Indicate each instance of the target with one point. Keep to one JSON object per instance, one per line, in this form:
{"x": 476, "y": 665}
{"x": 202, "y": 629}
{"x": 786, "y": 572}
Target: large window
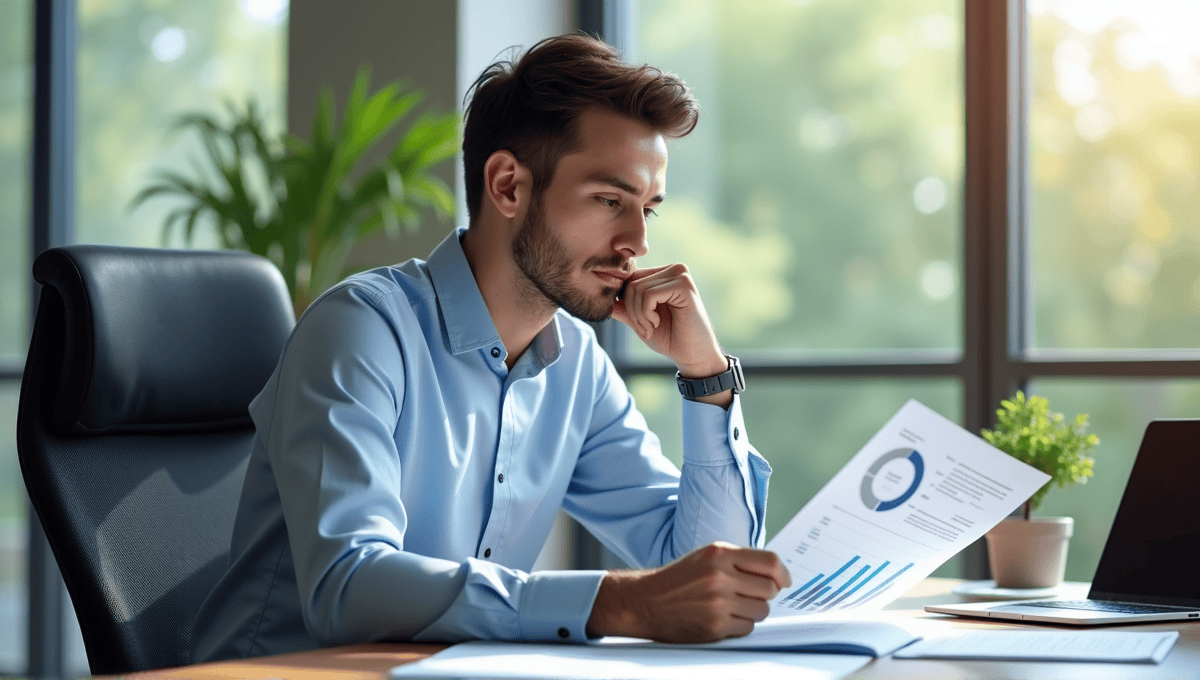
{"x": 1114, "y": 137}
{"x": 818, "y": 204}
{"x": 938, "y": 200}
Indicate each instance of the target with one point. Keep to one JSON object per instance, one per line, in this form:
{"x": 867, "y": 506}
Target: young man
{"x": 427, "y": 421}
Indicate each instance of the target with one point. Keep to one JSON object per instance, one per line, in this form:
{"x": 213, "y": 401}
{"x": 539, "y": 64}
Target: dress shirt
{"x": 403, "y": 480}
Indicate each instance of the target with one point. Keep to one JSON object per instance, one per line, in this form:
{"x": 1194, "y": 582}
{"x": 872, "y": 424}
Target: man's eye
{"x": 608, "y": 202}
{"x": 649, "y": 212}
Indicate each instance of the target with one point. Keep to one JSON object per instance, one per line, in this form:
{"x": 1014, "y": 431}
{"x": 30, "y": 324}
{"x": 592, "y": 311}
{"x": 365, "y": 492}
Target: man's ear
{"x": 506, "y": 183}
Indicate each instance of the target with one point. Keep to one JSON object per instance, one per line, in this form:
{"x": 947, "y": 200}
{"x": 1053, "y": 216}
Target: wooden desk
{"x": 373, "y": 661}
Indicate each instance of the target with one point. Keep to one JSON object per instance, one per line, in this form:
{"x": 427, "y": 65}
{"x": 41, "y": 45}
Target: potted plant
{"x": 1027, "y": 551}
{"x": 304, "y": 203}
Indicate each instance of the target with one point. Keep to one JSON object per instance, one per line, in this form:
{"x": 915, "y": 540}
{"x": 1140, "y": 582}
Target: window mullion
{"x": 52, "y": 212}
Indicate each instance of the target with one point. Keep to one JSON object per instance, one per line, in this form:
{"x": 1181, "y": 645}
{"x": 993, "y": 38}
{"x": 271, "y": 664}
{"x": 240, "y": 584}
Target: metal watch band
{"x": 702, "y": 387}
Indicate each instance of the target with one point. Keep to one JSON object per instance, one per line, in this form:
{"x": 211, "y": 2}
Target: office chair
{"x": 133, "y": 433}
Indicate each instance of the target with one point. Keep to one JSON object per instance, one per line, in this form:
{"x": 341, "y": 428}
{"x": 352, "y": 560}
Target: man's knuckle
{"x": 712, "y": 584}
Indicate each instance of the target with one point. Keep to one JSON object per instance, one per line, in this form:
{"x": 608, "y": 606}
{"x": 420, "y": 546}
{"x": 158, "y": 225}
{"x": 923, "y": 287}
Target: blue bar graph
{"x": 853, "y": 590}
{"x": 803, "y": 588}
{"x": 821, "y": 593}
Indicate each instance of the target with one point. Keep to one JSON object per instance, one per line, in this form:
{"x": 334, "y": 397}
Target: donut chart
{"x": 869, "y": 497}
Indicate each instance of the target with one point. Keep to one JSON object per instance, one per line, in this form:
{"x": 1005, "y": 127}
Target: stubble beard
{"x": 547, "y": 269}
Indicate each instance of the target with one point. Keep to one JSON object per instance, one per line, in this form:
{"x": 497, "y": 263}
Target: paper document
{"x": 918, "y": 492}
{"x": 1046, "y": 645}
{"x": 585, "y": 662}
{"x": 876, "y": 636}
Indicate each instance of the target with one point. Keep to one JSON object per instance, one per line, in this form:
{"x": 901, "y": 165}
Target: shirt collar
{"x": 468, "y": 323}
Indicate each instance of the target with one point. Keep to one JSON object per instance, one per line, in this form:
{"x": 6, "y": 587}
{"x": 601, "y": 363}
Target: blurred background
{"x": 825, "y": 204}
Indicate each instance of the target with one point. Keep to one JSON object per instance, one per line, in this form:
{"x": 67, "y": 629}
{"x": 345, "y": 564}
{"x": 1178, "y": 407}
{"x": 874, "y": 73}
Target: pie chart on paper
{"x": 892, "y": 479}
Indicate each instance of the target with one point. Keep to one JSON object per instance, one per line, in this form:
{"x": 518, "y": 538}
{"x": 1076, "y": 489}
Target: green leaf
{"x": 309, "y": 200}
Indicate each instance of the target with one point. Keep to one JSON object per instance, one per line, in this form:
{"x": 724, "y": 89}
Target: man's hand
{"x": 662, "y": 306}
{"x": 712, "y": 593}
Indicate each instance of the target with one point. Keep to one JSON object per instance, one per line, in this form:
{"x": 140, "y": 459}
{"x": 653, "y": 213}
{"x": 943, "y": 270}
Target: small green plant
{"x": 1033, "y": 434}
{"x": 304, "y": 203}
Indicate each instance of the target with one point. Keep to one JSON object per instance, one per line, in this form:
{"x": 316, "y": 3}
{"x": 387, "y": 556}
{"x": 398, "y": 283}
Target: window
{"x": 939, "y": 200}
{"x": 143, "y": 64}
{"x": 818, "y": 204}
{"x": 15, "y": 107}
{"x": 1114, "y": 141}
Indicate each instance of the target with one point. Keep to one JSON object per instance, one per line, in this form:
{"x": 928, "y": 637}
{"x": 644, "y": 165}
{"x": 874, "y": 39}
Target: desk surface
{"x": 373, "y": 661}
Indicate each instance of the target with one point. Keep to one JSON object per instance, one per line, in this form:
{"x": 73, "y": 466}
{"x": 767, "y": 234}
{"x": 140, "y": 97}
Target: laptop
{"x": 1150, "y": 567}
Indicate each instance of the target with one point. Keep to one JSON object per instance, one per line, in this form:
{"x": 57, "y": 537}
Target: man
{"x": 427, "y": 421}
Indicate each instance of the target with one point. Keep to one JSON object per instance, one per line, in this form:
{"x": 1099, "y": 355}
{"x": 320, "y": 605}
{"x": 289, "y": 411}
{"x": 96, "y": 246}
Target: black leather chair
{"x": 133, "y": 433}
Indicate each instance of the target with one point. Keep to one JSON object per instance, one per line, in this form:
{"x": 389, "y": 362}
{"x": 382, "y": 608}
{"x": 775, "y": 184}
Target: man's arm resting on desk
{"x": 712, "y": 593}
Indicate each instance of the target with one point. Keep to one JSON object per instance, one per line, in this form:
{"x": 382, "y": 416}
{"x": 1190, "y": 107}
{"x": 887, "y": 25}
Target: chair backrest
{"x": 133, "y": 432}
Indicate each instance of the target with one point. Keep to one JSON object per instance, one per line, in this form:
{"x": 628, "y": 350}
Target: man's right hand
{"x": 712, "y": 593}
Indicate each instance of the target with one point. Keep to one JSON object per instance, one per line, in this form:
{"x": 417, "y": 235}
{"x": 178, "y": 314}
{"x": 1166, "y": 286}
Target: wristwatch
{"x": 703, "y": 387}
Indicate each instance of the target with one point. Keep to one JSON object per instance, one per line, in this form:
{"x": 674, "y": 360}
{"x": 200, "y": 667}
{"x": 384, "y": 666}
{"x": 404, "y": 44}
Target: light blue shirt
{"x": 403, "y": 479}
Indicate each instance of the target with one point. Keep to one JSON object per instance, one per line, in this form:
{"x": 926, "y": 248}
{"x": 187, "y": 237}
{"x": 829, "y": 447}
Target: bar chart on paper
{"x": 847, "y": 560}
{"x": 918, "y": 492}
{"x": 845, "y": 588}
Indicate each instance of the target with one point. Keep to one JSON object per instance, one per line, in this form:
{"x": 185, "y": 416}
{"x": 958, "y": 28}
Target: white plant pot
{"x": 1029, "y": 553}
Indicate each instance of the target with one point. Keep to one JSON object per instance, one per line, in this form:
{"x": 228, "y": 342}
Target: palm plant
{"x": 305, "y": 203}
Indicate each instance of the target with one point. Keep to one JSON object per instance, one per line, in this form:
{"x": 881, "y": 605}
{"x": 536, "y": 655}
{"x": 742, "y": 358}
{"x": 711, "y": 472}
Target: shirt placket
{"x": 492, "y": 543}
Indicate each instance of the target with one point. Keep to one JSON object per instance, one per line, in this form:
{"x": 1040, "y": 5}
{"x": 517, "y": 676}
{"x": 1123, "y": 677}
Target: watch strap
{"x": 731, "y": 379}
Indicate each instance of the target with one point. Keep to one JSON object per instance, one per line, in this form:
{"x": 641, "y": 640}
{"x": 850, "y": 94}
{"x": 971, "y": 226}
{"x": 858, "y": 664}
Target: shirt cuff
{"x": 711, "y": 433}
{"x": 556, "y": 605}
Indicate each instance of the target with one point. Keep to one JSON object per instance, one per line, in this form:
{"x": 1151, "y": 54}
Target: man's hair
{"x": 532, "y": 107}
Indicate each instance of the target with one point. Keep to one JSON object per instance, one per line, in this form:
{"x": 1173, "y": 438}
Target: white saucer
{"x": 987, "y": 590}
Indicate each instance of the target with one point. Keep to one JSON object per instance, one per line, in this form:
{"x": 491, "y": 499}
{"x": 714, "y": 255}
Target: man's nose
{"x": 631, "y": 242}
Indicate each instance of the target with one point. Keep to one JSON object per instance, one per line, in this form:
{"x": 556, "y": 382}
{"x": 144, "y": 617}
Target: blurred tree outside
{"x": 142, "y": 64}
{"x": 16, "y": 103}
{"x": 817, "y": 206}
{"x": 833, "y": 129}
{"x": 1114, "y": 144}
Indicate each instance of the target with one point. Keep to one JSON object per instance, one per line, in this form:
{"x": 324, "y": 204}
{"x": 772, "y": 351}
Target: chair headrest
{"x": 162, "y": 338}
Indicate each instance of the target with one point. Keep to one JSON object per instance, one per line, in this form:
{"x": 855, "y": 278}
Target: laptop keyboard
{"x": 1102, "y": 606}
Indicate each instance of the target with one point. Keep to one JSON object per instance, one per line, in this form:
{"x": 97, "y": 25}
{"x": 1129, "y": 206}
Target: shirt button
{"x": 500, "y": 478}
{"x": 564, "y": 633}
{"x": 487, "y": 553}
{"x": 496, "y": 352}
{"x": 735, "y": 434}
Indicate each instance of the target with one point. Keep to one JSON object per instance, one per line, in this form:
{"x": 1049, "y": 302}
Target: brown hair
{"x": 531, "y": 108}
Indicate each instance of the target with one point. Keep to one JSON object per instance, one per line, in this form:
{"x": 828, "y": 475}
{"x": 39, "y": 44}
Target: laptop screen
{"x": 1153, "y": 551}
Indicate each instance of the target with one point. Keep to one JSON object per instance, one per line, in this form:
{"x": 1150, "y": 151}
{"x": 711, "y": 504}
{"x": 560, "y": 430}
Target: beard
{"x": 543, "y": 259}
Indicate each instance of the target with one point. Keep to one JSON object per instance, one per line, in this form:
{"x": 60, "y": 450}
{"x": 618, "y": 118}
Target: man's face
{"x": 578, "y": 241}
